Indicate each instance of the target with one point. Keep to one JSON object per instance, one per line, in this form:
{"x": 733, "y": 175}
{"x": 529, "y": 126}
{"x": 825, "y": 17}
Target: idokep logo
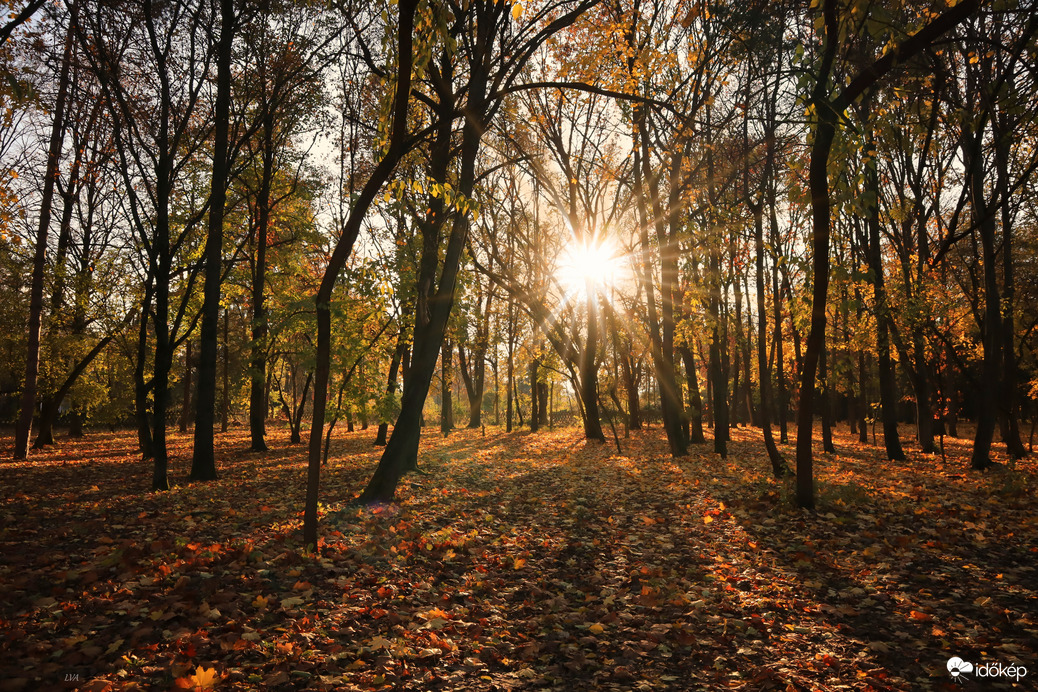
{"x": 958, "y": 669}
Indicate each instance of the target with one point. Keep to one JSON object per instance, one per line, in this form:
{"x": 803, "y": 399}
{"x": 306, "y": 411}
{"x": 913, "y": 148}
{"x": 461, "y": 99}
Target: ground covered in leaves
{"x": 516, "y": 561}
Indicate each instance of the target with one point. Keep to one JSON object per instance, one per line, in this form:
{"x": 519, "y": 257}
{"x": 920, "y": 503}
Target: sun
{"x": 585, "y": 266}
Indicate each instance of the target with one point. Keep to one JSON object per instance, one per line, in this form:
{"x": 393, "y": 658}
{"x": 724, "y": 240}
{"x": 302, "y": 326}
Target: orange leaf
{"x": 202, "y": 679}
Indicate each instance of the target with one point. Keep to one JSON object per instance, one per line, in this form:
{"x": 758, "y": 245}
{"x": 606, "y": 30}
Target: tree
{"x": 379, "y": 175}
{"x": 490, "y": 41}
{"x": 32, "y": 359}
{"x": 203, "y": 461}
{"x": 160, "y": 129}
{"x": 827, "y": 104}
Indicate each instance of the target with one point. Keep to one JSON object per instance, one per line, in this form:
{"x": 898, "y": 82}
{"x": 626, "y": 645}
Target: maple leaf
{"x": 201, "y": 680}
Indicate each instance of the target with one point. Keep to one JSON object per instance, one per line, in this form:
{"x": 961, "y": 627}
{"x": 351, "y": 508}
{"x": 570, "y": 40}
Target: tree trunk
{"x": 342, "y": 251}
{"x": 887, "y": 384}
{"x": 589, "y": 371}
{"x": 991, "y": 329}
{"x": 510, "y": 366}
{"x": 203, "y": 459}
{"x": 695, "y": 401}
{"x": 258, "y": 346}
{"x": 446, "y": 380}
{"x": 782, "y": 404}
{"x": 662, "y": 322}
{"x": 1009, "y": 410}
{"x": 225, "y": 403}
{"x": 140, "y": 387}
{"x": 391, "y": 384}
{"x": 295, "y": 422}
{"x": 778, "y": 464}
{"x": 185, "y": 409}
{"x": 39, "y": 263}
{"x": 535, "y": 420}
{"x": 434, "y": 300}
{"x": 473, "y": 372}
{"x": 825, "y": 395}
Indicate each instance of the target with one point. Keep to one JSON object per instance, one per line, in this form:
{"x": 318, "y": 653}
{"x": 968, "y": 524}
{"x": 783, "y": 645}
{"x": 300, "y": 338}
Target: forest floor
{"x": 517, "y": 561}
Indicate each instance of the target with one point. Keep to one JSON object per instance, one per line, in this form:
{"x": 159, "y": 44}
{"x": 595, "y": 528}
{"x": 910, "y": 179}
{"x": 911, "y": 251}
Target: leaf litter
{"x": 524, "y": 561}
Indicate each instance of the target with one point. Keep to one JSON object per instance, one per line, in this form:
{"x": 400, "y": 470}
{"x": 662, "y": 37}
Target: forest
{"x": 502, "y": 344}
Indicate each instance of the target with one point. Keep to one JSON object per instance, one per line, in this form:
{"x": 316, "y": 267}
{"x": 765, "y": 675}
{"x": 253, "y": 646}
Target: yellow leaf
{"x": 596, "y": 628}
{"x": 517, "y": 11}
{"x": 519, "y": 562}
{"x": 434, "y": 613}
{"x": 707, "y": 519}
{"x": 202, "y": 679}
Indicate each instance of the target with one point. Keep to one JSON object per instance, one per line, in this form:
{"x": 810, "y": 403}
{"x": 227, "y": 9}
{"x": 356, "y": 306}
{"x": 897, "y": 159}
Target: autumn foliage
{"x": 515, "y": 561}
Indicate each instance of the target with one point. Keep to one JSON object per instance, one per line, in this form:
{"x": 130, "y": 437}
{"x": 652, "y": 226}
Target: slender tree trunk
{"x": 434, "y": 300}
{"x": 752, "y": 415}
{"x": 952, "y": 398}
{"x": 589, "y": 371}
{"x": 163, "y": 358}
{"x": 542, "y": 406}
{"x": 535, "y": 420}
{"x": 991, "y": 329}
{"x": 39, "y": 264}
{"x": 185, "y": 409}
{"x": 695, "y": 401}
{"x": 778, "y": 464}
{"x": 295, "y": 421}
{"x": 510, "y": 366}
{"x": 782, "y": 405}
{"x": 140, "y": 387}
{"x": 634, "y": 408}
{"x": 818, "y": 182}
{"x": 391, "y": 384}
{"x": 203, "y": 459}
{"x": 887, "y": 384}
{"x": 825, "y": 395}
{"x": 225, "y": 404}
{"x": 342, "y": 251}
{"x": 737, "y": 414}
{"x": 473, "y": 372}
{"x": 258, "y": 364}
{"x": 446, "y": 381}
{"x": 1009, "y": 396}
{"x": 662, "y": 322}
